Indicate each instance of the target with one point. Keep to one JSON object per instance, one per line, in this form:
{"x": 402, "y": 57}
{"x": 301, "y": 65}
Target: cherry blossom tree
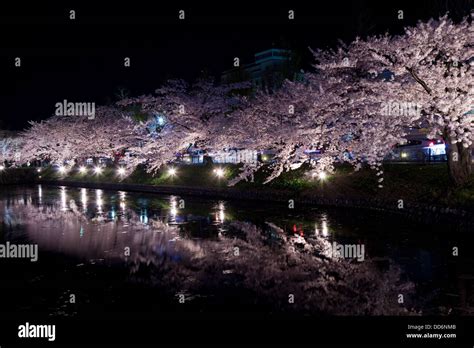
{"x": 190, "y": 115}
{"x": 338, "y": 109}
{"x": 10, "y": 149}
{"x": 357, "y": 104}
{"x": 68, "y": 138}
{"x": 366, "y": 112}
{"x": 281, "y": 122}
{"x": 48, "y": 140}
{"x": 364, "y": 96}
{"x": 433, "y": 61}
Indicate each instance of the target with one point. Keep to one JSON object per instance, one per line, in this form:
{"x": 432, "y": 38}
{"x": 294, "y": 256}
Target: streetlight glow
{"x": 82, "y": 169}
{"x": 219, "y": 172}
{"x": 172, "y": 172}
{"x": 98, "y": 170}
{"x": 2, "y": 168}
{"x": 62, "y": 169}
{"x": 121, "y": 171}
{"x": 322, "y": 175}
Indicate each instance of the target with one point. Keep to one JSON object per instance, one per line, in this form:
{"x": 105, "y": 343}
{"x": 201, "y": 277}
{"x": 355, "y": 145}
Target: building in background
{"x": 268, "y": 71}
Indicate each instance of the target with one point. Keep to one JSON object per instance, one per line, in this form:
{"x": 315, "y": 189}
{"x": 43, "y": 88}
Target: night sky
{"x": 82, "y": 60}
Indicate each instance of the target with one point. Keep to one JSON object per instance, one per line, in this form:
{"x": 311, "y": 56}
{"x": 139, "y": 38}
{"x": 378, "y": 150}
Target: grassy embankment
{"x": 413, "y": 183}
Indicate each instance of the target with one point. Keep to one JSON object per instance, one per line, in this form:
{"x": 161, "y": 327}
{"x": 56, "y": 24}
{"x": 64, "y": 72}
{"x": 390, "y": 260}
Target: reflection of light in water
{"x": 219, "y": 218}
{"x": 220, "y": 214}
{"x": 112, "y": 214}
{"x": 81, "y": 232}
{"x": 316, "y": 230}
{"x": 98, "y": 201}
{"x": 143, "y": 216}
{"x": 63, "y": 198}
{"x": 84, "y": 198}
{"x": 173, "y": 208}
{"x": 123, "y": 205}
{"x": 324, "y": 226}
{"x": 40, "y": 194}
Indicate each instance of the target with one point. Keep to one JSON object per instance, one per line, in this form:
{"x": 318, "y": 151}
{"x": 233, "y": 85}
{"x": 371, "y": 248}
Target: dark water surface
{"x": 121, "y": 254}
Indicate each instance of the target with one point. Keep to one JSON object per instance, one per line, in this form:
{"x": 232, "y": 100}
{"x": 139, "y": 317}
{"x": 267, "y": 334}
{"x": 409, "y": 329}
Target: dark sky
{"x": 82, "y": 60}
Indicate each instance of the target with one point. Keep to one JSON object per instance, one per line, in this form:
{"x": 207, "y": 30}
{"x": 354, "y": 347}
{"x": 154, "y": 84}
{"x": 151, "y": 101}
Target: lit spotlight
{"x": 322, "y": 176}
{"x": 98, "y": 170}
{"x": 172, "y": 172}
{"x": 82, "y": 169}
{"x": 219, "y": 172}
{"x": 121, "y": 171}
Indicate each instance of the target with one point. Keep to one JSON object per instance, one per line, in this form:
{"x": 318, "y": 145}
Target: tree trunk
{"x": 459, "y": 162}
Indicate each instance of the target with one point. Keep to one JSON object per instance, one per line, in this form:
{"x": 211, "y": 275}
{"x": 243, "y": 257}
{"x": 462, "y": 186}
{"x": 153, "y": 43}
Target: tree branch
{"x": 417, "y": 79}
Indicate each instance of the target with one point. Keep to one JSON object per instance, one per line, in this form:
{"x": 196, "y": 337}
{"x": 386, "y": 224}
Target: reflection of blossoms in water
{"x": 73, "y": 232}
{"x": 289, "y": 265}
{"x": 296, "y": 266}
{"x": 269, "y": 264}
